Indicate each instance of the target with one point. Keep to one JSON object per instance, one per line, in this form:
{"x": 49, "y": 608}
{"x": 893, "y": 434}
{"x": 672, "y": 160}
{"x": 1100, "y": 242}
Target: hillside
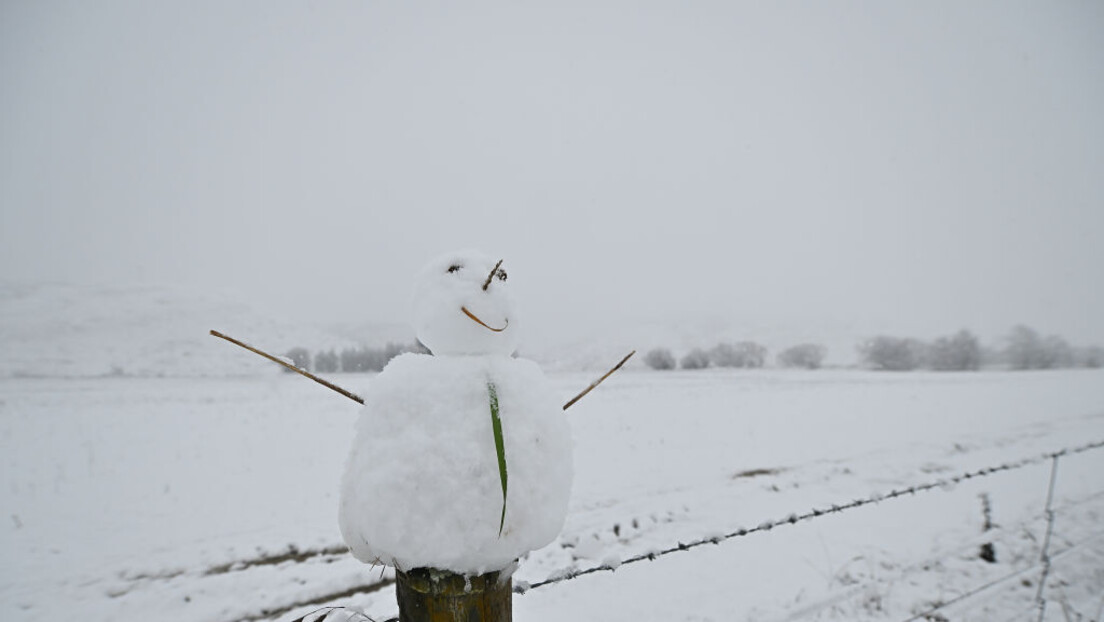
{"x": 78, "y": 331}
{"x": 74, "y": 331}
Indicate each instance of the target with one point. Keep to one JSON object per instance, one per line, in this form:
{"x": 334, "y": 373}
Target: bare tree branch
{"x": 598, "y": 381}
{"x": 329, "y": 385}
{"x": 490, "y": 276}
{"x": 356, "y": 398}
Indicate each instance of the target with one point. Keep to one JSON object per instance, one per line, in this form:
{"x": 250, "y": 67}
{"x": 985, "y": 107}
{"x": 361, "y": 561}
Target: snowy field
{"x": 208, "y": 499}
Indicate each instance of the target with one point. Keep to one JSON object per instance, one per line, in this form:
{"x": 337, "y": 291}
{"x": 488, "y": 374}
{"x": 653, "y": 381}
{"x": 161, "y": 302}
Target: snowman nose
{"x": 490, "y": 276}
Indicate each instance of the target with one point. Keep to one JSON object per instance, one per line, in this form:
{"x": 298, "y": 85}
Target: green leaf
{"x": 500, "y": 449}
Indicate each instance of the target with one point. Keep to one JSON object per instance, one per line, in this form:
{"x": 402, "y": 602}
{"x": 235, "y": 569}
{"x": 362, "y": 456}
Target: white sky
{"x": 920, "y": 166}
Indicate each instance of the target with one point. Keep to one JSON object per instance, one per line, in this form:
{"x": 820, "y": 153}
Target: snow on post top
{"x": 462, "y": 305}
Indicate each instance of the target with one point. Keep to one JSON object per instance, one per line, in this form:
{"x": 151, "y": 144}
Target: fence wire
{"x": 568, "y": 574}
{"x": 1045, "y": 557}
{"x": 995, "y": 582}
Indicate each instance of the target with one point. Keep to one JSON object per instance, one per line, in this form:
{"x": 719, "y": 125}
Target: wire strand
{"x": 1012, "y": 575}
{"x": 568, "y": 574}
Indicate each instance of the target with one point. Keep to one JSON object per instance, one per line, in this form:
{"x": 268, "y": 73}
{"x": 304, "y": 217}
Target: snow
{"x": 202, "y": 483}
{"x": 462, "y": 460}
{"x": 180, "y": 498}
{"x": 453, "y": 282}
{"x": 422, "y": 488}
{"x": 75, "y": 331}
{"x": 613, "y": 561}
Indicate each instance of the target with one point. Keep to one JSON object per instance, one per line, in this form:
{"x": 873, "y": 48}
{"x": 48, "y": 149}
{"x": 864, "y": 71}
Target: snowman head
{"x": 462, "y": 305}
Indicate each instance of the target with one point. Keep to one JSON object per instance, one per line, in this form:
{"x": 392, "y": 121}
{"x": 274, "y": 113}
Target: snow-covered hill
{"x": 79, "y": 331}
{"x": 69, "y": 331}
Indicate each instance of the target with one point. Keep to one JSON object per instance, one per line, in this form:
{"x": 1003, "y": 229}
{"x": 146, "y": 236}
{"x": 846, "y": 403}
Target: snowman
{"x": 462, "y": 460}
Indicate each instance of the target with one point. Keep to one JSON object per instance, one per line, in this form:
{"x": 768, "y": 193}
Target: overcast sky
{"x": 920, "y": 166}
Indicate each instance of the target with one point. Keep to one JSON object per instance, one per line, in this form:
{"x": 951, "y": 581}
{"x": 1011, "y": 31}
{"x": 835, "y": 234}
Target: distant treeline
{"x": 358, "y": 359}
{"x": 1023, "y": 348}
{"x": 742, "y": 354}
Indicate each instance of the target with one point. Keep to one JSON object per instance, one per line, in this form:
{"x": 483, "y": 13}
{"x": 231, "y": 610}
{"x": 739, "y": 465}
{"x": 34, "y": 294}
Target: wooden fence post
{"x": 432, "y": 595}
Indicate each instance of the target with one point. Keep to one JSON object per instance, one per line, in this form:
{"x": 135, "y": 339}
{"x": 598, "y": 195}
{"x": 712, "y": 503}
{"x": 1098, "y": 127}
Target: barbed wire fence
{"x": 927, "y": 613}
{"x": 1043, "y": 564}
{"x": 570, "y": 574}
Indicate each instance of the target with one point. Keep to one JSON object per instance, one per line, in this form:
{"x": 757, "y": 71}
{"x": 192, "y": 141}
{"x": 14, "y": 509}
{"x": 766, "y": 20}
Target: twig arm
{"x": 598, "y": 381}
{"x": 329, "y": 385}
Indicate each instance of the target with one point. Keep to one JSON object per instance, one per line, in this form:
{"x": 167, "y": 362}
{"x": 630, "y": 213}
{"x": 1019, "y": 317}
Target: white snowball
{"x": 421, "y": 486}
{"x": 449, "y": 285}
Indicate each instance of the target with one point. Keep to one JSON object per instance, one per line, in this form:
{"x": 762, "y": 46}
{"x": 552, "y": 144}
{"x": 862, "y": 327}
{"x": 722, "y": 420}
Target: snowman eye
{"x": 454, "y": 268}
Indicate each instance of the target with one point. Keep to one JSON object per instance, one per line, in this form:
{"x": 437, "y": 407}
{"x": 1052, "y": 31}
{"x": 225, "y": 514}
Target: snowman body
{"x": 424, "y": 484}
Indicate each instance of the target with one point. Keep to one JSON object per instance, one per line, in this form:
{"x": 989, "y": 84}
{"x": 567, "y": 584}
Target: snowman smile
{"x": 484, "y": 324}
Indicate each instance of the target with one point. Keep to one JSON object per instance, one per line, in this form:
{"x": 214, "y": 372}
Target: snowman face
{"x": 462, "y": 305}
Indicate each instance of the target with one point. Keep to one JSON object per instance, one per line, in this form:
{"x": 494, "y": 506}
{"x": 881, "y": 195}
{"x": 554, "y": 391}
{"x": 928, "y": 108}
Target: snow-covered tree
{"x": 1027, "y": 350}
{"x": 660, "y": 358}
{"x": 892, "y": 353}
{"x": 695, "y": 359}
{"x": 807, "y": 355}
{"x": 353, "y": 359}
{"x": 959, "y": 352}
{"x": 1092, "y": 356}
{"x": 742, "y": 354}
{"x": 1057, "y": 352}
{"x": 326, "y": 362}
{"x": 300, "y": 357}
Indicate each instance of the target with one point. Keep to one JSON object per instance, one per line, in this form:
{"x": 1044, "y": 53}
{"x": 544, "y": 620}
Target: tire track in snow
{"x": 240, "y": 588}
{"x": 324, "y": 599}
{"x": 293, "y": 554}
